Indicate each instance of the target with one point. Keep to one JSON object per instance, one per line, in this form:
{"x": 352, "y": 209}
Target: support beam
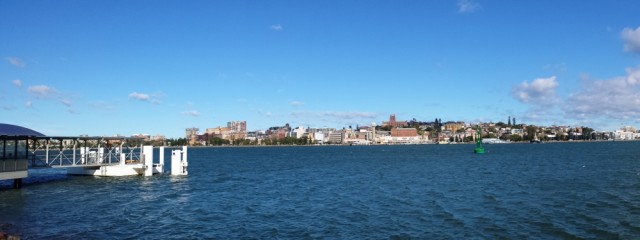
{"x": 17, "y": 183}
{"x": 74, "y": 152}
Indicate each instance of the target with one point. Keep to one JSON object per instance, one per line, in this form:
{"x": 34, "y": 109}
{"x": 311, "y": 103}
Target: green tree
{"x": 586, "y": 133}
{"x": 216, "y": 141}
{"x": 531, "y": 132}
{"x": 562, "y": 137}
{"x": 489, "y": 135}
{"x": 175, "y": 142}
{"x": 515, "y": 138}
{"x": 385, "y": 128}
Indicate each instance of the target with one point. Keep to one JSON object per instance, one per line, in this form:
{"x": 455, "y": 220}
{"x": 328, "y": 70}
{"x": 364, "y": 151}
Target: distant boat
{"x": 535, "y": 141}
{"x": 479, "y": 148}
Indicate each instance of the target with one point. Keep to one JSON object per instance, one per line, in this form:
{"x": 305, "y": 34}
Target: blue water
{"x": 514, "y": 191}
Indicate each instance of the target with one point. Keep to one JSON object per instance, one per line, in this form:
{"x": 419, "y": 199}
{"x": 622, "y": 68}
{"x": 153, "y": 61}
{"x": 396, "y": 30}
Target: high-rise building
{"x": 237, "y": 129}
{"x": 237, "y": 126}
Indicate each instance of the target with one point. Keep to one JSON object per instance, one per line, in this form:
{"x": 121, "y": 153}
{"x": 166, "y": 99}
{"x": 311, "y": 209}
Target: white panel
{"x": 176, "y": 156}
{"x": 147, "y": 152}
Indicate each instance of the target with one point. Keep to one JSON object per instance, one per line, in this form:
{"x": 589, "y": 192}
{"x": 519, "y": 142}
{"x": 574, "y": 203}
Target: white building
{"x": 622, "y": 135}
{"x": 319, "y": 137}
{"x": 298, "y": 132}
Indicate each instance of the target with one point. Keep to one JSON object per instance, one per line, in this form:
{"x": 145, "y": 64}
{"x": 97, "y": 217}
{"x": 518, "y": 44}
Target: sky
{"x": 102, "y": 67}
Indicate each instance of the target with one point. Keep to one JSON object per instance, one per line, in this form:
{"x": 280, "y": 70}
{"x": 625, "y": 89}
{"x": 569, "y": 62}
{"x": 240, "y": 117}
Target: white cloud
{"x": 192, "y": 113}
{"x": 16, "y": 62}
{"x": 17, "y": 83}
{"x": 276, "y": 27}
{"x": 468, "y": 6}
{"x": 631, "y": 39}
{"x": 41, "y": 91}
{"x": 66, "y": 102}
{"x": 266, "y": 114}
{"x": 28, "y": 104}
{"x": 139, "y": 96}
{"x": 296, "y": 103}
{"x": 541, "y": 91}
{"x": 615, "y": 98}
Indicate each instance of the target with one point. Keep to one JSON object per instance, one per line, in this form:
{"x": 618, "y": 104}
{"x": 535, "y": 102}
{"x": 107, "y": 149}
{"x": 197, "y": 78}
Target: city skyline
{"x": 104, "y": 68}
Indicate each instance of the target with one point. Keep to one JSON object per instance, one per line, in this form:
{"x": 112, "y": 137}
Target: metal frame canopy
{"x": 19, "y": 144}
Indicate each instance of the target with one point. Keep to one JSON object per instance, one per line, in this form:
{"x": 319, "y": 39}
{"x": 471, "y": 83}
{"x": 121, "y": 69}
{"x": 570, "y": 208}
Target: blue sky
{"x": 158, "y": 67}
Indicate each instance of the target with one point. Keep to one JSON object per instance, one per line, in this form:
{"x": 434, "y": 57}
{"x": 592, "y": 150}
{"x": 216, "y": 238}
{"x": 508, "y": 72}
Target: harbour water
{"x": 513, "y": 191}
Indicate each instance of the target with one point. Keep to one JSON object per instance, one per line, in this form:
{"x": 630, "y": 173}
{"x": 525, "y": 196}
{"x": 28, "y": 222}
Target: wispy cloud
{"x": 541, "y": 91}
{"x": 28, "y": 104}
{"x": 41, "y": 91}
{"x": 631, "y": 39}
{"x": 193, "y": 113}
{"x": 333, "y": 117}
{"x": 266, "y": 114}
{"x": 102, "y": 105}
{"x": 139, "y": 96}
{"x": 154, "y": 98}
{"x": 334, "y": 114}
{"x": 16, "y": 62}
{"x": 296, "y": 103}
{"x": 468, "y": 6}
{"x": 17, "y": 83}
{"x": 276, "y": 27}
{"x": 66, "y": 102}
{"x": 616, "y": 98}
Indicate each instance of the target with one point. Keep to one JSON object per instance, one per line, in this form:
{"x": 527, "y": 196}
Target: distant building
{"x": 626, "y": 133}
{"x": 453, "y": 126}
{"x": 237, "y": 129}
{"x": 159, "y": 137}
{"x": 629, "y": 129}
{"x": 318, "y": 137}
{"x": 336, "y": 137}
{"x": 218, "y": 132}
{"x": 191, "y": 134}
{"x": 143, "y": 136}
{"x": 404, "y": 132}
{"x": 403, "y": 136}
{"x": 394, "y": 123}
{"x": 298, "y": 132}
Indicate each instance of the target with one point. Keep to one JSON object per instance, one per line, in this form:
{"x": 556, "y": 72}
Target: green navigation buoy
{"x": 479, "y": 148}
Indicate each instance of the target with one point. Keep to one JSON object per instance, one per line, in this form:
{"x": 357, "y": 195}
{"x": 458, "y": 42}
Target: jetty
{"x": 22, "y": 149}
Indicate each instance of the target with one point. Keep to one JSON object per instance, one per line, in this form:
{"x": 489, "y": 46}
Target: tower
{"x": 392, "y": 120}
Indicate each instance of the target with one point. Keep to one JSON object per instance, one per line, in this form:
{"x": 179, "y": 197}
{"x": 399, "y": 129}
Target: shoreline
{"x": 431, "y": 143}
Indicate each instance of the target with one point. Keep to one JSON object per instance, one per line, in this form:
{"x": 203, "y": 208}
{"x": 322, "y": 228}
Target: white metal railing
{"x": 54, "y": 153}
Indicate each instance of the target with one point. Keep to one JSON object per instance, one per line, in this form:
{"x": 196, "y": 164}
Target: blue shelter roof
{"x": 13, "y": 130}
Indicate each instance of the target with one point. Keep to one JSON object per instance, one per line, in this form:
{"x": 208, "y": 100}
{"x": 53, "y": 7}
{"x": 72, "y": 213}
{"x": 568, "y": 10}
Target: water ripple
{"x": 518, "y": 191}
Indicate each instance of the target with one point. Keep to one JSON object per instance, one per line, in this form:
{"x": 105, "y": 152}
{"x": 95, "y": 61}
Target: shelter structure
{"x": 14, "y": 152}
